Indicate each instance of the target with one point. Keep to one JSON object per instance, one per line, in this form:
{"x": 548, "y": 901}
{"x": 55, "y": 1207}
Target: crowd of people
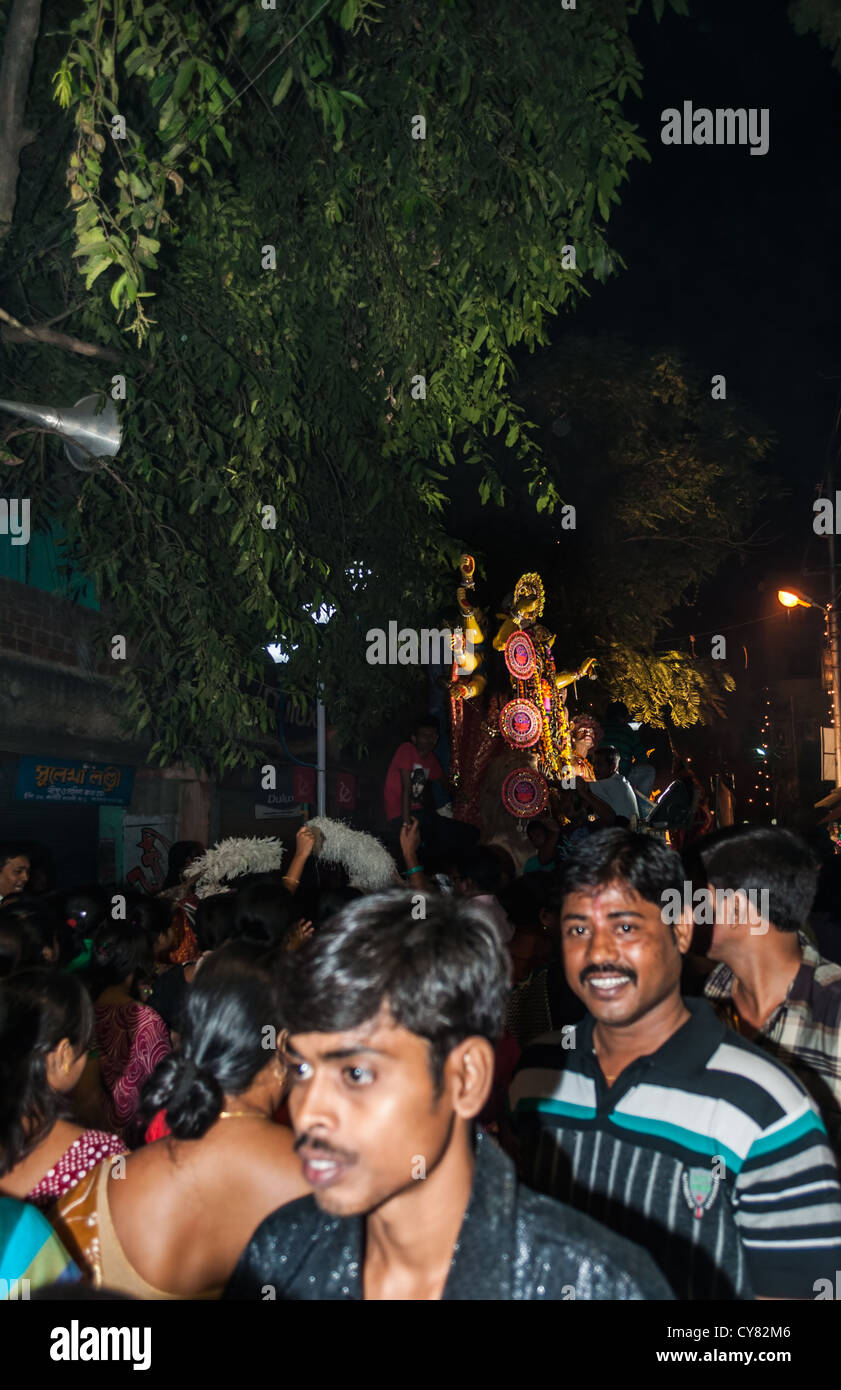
{"x": 474, "y": 1084}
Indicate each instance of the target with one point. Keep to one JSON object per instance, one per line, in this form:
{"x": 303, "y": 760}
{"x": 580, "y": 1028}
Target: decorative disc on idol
{"x": 520, "y": 656}
{"x": 521, "y": 723}
{"x": 524, "y": 792}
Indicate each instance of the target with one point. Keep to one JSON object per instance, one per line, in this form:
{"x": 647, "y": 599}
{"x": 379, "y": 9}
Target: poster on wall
{"x": 146, "y": 842}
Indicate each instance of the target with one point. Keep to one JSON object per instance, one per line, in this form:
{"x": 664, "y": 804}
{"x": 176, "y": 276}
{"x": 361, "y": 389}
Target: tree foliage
{"x": 664, "y": 480}
{"x": 298, "y": 387}
{"x": 821, "y": 18}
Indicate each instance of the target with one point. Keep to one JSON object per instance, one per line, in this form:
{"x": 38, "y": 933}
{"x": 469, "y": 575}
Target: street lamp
{"x": 357, "y": 574}
{"x": 792, "y": 598}
{"x": 278, "y": 653}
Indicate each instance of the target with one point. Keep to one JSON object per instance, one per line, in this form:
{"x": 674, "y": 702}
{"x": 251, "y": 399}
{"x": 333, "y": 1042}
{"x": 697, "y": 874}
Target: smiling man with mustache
{"x": 392, "y": 1024}
{"x": 660, "y": 1121}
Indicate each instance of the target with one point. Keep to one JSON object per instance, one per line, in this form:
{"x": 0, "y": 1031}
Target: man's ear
{"x": 469, "y": 1074}
{"x": 684, "y": 929}
{"x": 732, "y": 908}
{"x": 548, "y": 919}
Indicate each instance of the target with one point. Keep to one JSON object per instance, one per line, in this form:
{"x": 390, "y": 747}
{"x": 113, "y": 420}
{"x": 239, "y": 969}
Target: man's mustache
{"x": 607, "y": 970}
{"x": 318, "y": 1147}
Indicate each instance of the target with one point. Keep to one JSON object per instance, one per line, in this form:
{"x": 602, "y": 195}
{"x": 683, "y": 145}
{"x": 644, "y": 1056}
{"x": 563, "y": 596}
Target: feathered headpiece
{"x": 368, "y": 863}
{"x": 231, "y": 859}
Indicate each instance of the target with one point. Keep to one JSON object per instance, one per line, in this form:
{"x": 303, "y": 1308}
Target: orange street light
{"x": 791, "y": 600}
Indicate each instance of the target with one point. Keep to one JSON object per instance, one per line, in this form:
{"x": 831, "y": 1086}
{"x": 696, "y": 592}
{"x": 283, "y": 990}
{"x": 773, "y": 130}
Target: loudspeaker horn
{"x": 88, "y": 433}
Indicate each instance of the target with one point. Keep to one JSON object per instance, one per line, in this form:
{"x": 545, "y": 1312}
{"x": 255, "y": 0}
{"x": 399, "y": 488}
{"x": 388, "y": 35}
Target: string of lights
{"x": 762, "y": 785}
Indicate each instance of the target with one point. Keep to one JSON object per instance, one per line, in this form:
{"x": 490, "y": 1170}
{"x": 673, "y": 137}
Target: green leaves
{"x": 94, "y": 268}
{"x": 282, "y": 88}
{"x": 119, "y": 289}
{"x": 295, "y": 388}
{"x": 183, "y": 79}
{"x": 62, "y": 86}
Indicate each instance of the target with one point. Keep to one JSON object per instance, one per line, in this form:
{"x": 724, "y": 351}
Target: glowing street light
{"x": 790, "y": 598}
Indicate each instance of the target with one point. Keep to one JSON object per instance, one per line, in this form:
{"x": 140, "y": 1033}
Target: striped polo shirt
{"x": 708, "y": 1153}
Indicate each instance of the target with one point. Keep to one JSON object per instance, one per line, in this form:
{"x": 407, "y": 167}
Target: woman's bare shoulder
{"x": 278, "y": 1163}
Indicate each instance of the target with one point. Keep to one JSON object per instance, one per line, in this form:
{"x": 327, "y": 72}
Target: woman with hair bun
{"x": 176, "y": 1223}
{"x": 46, "y": 1022}
{"x": 131, "y": 1037}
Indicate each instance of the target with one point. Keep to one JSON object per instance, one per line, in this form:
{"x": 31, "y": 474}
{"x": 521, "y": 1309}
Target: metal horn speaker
{"x": 88, "y": 433}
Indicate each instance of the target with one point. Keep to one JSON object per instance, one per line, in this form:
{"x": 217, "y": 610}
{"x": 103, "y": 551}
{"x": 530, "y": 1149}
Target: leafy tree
{"x": 240, "y": 129}
{"x": 664, "y": 481}
{"x": 823, "y": 19}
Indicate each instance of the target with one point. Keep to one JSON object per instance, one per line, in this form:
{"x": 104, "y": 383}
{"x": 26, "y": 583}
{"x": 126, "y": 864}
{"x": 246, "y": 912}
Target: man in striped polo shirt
{"x": 654, "y": 1118}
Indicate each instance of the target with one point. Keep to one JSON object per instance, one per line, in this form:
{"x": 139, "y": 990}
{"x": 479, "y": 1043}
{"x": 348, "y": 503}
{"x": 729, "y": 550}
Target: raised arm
{"x": 304, "y": 841}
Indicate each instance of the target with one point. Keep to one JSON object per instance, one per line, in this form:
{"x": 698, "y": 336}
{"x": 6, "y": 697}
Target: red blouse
{"x": 132, "y": 1040}
{"x": 75, "y": 1163}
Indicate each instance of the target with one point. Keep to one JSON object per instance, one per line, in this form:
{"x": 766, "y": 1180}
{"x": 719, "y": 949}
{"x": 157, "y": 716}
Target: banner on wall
{"x": 66, "y": 779}
{"x": 287, "y": 799}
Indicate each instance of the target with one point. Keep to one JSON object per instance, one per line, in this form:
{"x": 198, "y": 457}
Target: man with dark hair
{"x": 14, "y": 869}
{"x": 413, "y": 765}
{"x": 771, "y": 984}
{"x": 544, "y": 837}
{"x": 660, "y": 1122}
{"x": 392, "y": 1023}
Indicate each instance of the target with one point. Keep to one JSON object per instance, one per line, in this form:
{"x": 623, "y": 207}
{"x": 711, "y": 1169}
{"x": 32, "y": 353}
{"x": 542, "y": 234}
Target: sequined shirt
{"x": 513, "y": 1244}
{"x": 75, "y": 1163}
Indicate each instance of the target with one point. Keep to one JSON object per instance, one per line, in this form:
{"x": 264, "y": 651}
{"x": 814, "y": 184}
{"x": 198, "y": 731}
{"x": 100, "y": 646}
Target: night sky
{"x": 732, "y": 260}
{"x": 734, "y": 257}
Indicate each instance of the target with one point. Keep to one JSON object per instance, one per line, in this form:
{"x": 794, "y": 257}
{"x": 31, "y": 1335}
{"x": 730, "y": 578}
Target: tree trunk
{"x": 15, "y": 70}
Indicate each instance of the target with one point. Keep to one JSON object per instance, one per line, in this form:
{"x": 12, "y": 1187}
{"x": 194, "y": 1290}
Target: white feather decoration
{"x": 367, "y": 861}
{"x": 230, "y": 859}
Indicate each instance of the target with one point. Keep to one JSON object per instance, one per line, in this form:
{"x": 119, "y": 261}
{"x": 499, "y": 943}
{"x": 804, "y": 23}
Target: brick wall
{"x": 46, "y": 626}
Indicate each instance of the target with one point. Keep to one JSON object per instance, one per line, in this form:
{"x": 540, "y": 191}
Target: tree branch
{"x": 13, "y": 331}
{"x": 15, "y": 70}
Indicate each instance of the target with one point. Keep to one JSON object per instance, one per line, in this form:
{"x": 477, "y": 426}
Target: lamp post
{"x": 792, "y": 598}
{"x": 357, "y": 575}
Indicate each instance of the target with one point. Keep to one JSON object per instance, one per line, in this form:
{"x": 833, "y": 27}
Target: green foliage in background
{"x": 396, "y": 258}
{"x": 665, "y": 481}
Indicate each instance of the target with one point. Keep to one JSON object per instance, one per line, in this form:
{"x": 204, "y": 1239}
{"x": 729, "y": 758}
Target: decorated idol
{"x": 533, "y": 723}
